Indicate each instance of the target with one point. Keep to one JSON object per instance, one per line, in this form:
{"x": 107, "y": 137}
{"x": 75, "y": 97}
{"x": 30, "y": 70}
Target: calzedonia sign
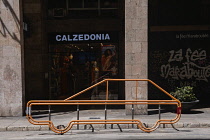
{"x": 82, "y": 37}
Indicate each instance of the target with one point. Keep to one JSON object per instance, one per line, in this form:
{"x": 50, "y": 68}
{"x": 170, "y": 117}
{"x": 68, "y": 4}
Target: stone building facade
{"x": 11, "y": 62}
{"x": 22, "y": 57}
{"x": 139, "y": 28}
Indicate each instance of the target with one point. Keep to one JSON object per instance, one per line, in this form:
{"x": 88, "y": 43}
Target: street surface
{"x": 109, "y": 134}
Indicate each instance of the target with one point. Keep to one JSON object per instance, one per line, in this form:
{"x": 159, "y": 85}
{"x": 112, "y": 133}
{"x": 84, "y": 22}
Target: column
{"x": 136, "y": 46}
{"x": 11, "y": 93}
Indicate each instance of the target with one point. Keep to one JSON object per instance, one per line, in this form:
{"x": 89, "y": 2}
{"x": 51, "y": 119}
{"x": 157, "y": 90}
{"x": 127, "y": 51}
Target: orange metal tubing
{"x": 67, "y": 101}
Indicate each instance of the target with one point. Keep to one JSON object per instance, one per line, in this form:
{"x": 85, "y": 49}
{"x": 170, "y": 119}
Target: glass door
{"x": 74, "y": 67}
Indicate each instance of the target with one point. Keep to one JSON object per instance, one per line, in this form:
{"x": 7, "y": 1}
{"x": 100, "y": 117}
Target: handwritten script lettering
{"x": 188, "y": 66}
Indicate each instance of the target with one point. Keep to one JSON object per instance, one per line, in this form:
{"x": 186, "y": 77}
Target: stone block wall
{"x": 10, "y": 59}
{"x": 136, "y": 47}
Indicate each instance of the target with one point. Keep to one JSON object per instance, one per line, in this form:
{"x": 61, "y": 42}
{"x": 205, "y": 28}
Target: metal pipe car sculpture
{"x": 132, "y": 121}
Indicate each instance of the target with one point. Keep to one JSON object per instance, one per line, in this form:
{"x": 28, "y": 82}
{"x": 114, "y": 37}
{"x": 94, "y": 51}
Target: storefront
{"x": 79, "y": 60}
{"x": 81, "y": 43}
{"x": 179, "y": 40}
{"x": 35, "y": 68}
{"x": 64, "y": 43}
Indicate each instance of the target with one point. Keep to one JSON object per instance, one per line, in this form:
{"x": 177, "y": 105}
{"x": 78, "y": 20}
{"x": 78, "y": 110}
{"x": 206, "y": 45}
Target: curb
{"x": 123, "y": 126}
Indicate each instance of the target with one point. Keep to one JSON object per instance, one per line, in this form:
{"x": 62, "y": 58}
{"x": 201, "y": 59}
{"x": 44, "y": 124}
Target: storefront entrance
{"x": 178, "y": 51}
{"x": 65, "y": 44}
{"x": 74, "y": 67}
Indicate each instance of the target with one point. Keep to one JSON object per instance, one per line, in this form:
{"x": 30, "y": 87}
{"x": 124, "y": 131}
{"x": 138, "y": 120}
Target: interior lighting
{"x": 71, "y": 56}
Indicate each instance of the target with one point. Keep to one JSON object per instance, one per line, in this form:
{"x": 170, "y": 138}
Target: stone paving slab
{"x": 194, "y": 120}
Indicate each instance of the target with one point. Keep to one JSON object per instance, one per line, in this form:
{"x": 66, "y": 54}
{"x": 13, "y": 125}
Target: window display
{"x": 75, "y": 67}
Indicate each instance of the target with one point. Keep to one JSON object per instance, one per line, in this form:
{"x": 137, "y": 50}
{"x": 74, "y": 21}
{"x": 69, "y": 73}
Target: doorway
{"x": 74, "y": 67}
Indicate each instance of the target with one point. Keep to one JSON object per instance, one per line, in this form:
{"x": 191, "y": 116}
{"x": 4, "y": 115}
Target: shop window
{"x": 179, "y": 12}
{"x": 109, "y": 4}
{"x": 74, "y": 67}
{"x": 82, "y": 8}
{"x": 90, "y": 3}
{"x": 75, "y": 3}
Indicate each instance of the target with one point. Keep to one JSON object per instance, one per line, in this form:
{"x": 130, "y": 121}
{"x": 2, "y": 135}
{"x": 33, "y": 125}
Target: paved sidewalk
{"x": 197, "y": 118}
